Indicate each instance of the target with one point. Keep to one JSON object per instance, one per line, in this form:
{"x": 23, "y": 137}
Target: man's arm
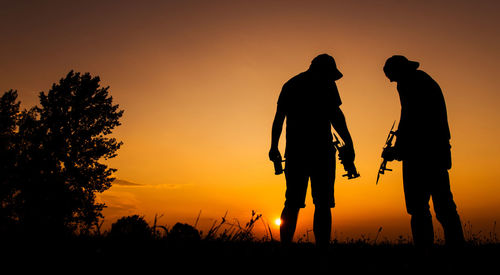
{"x": 279, "y": 118}
{"x": 338, "y": 121}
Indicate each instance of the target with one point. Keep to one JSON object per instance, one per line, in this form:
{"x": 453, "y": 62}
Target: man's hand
{"x": 347, "y": 154}
{"x": 274, "y": 154}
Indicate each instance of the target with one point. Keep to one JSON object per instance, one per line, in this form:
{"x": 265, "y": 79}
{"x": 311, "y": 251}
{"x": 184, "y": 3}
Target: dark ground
{"x": 224, "y": 257}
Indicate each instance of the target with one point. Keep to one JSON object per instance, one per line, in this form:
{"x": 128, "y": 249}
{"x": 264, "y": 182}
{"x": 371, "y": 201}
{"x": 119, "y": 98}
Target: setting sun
{"x": 277, "y": 222}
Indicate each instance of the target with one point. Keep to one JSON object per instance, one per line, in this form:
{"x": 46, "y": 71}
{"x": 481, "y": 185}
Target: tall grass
{"x": 225, "y": 230}
{"x": 228, "y": 229}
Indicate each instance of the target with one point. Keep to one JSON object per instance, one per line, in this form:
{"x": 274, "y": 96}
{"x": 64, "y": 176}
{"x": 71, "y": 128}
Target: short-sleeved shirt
{"x": 308, "y": 103}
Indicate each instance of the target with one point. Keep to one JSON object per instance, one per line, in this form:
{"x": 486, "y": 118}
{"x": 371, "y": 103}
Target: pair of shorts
{"x": 320, "y": 170}
{"x": 422, "y": 182}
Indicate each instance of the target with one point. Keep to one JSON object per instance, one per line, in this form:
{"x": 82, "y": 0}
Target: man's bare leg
{"x": 288, "y": 223}
{"x": 322, "y": 226}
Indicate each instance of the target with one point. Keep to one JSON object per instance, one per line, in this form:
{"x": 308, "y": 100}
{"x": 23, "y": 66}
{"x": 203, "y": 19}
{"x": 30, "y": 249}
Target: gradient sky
{"x": 199, "y": 81}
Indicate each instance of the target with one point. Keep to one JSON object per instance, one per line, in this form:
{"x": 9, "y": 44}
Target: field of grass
{"x": 224, "y": 257}
{"x": 232, "y": 248}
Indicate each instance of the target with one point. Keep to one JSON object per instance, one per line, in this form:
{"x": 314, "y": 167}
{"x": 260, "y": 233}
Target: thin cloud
{"x": 119, "y": 201}
{"x": 126, "y": 183}
{"x": 168, "y": 185}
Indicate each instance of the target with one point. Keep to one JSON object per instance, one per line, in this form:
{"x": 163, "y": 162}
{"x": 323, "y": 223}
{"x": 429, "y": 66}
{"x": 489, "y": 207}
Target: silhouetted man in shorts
{"x": 423, "y": 144}
{"x": 310, "y": 103}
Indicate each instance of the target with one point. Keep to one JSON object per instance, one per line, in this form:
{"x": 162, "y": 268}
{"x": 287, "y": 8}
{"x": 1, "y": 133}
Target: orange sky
{"x": 199, "y": 80}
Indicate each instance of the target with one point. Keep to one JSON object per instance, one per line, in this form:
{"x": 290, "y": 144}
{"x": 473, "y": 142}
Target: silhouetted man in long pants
{"x": 310, "y": 103}
{"x": 423, "y": 144}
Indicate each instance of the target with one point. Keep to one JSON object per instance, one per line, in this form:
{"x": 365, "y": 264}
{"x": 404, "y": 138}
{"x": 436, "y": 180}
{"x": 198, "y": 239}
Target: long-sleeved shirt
{"x": 423, "y": 131}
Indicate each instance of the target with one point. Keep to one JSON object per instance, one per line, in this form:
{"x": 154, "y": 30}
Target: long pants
{"x": 422, "y": 182}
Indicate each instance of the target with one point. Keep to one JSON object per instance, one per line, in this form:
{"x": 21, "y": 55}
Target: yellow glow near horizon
{"x": 277, "y": 222}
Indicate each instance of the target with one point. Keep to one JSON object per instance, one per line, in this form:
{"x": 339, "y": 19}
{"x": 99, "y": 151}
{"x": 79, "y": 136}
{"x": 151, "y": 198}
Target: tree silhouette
{"x": 9, "y": 110}
{"x": 58, "y": 146}
{"x": 131, "y": 228}
{"x": 182, "y": 232}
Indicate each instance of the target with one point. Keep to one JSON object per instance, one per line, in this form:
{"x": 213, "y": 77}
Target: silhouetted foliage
{"x": 53, "y": 172}
{"x": 131, "y": 228}
{"x": 183, "y": 232}
{"x": 9, "y": 110}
